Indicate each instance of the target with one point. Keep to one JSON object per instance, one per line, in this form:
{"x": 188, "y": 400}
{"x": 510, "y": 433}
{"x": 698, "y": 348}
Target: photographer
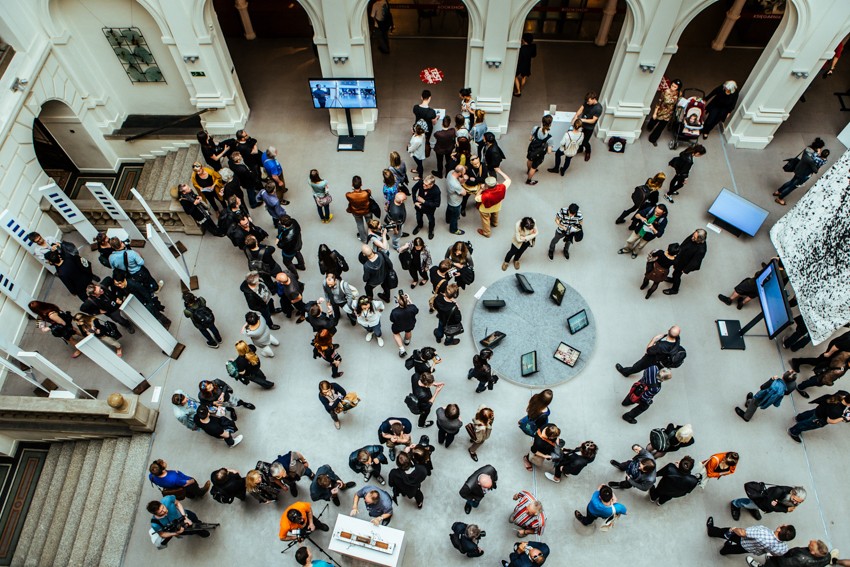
{"x": 528, "y": 554}
{"x": 297, "y": 522}
{"x": 376, "y": 236}
{"x": 170, "y": 519}
{"x": 465, "y": 537}
{"x": 403, "y": 319}
{"x": 416, "y": 256}
{"x": 396, "y": 215}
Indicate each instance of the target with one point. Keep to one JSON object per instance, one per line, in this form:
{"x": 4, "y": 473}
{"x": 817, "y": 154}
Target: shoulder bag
{"x": 454, "y": 328}
{"x": 792, "y": 163}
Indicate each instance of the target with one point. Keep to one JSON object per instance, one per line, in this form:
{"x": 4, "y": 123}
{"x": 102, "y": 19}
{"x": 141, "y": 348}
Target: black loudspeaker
{"x": 523, "y": 284}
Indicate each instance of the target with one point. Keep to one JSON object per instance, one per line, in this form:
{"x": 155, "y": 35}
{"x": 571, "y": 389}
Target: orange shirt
{"x": 286, "y": 525}
{"x": 711, "y": 466}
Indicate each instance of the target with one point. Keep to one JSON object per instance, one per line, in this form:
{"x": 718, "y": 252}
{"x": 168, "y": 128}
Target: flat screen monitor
{"x": 774, "y": 302}
{"x": 343, "y": 93}
{"x": 737, "y": 213}
{"x": 578, "y": 322}
{"x": 558, "y": 291}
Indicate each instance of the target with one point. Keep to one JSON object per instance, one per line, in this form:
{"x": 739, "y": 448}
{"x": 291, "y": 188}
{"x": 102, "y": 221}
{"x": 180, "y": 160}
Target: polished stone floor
{"x": 703, "y": 392}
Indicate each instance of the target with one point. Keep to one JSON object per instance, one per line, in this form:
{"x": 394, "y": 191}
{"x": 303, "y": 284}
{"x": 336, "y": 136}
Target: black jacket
{"x": 432, "y": 199}
{"x": 471, "y": 490}
{"x": 462, "y": 543}
{"x": 660, "y": 223}
{"x": 408, "y": 483}
{"x": 778, "y": 493}
{"x": 375, "y": 452}
{"x": 798, "y": 557}
{"x": 316, "y": 491}
{"x": 289, "y": 238}
{"x": 674, "y": 483}
{"x": 254, "y": 301}
{"x": 448, "y": 312}
{"x": 375, "y": 270}
{"x": 690, "y": 255}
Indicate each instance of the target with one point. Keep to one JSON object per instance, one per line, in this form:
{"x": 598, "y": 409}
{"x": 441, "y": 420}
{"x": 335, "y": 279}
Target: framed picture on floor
{"x": 578, "y": 322}
{"x": 528, "y": 363}
{"x": 567, "y": 354}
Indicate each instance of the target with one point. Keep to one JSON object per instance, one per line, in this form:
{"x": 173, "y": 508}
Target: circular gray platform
{"x": 533, "y": 322}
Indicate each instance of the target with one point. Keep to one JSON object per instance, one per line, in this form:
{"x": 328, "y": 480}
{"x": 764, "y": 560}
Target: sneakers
{"x": 406, "y": 342}
{"x": 380, "y": 342}
{"x": 337, "y": 425}
{"x": 402, "y": 353}
{"x": 380, "y": 480}
{"x": 552, "y": 477}
{"x": 212, "y": 344}
{"x": 752, "y": 562}
{"x": 236, "y": 440}
{"x": 369, "y": 336}
{"x": 428, "y": 423}
{"x": 459, "y": 232}
{"x": 668, "y": 197}
{"x": 516, "y": 264}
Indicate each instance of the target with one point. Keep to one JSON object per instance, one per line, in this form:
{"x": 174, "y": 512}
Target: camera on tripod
{"x": 188, "y": 529}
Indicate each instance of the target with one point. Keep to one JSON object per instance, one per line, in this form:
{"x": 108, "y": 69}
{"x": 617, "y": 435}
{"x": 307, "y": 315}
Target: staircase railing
{"x": 168, "y": 125}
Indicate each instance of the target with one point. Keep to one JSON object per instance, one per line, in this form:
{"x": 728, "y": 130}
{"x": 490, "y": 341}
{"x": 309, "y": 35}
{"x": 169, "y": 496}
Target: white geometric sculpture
{"x": 150, "y": 325}
{"x": 52, "y": 372}
{"x": 114, "y": 365}
{"x": 18, "y": 232}
{"x": 116, "y": 212}
{"x": 69, "y": 211}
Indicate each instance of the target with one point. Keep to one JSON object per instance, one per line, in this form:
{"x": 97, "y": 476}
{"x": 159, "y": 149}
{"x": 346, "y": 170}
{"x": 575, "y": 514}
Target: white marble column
{"x": 242, "y": 7}
{"x": 732, "y": 17}
{"x": 608, "y": 14}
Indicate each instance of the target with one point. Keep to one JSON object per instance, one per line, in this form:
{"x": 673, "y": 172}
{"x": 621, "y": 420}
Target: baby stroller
{"x": 689, "y": 117}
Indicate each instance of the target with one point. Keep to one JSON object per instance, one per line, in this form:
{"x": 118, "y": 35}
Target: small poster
{"x": 567, "y": 354}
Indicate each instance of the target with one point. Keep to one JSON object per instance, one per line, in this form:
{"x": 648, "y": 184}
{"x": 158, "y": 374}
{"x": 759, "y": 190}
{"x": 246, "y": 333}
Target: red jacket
{"x": 493, "y": 196}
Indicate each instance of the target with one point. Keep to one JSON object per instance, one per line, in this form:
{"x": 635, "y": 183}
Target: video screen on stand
{"x": 343, "y": 93}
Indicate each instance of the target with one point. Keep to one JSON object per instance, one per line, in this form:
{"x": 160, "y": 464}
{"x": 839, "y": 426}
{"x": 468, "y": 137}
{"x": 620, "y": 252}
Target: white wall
{"x": 68, "y": 131}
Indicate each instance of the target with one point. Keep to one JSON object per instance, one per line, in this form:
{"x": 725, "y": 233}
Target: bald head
{"x": 674, "y": 332}
{"x": 485, "y": 481}
{"x": 367, "y": 251}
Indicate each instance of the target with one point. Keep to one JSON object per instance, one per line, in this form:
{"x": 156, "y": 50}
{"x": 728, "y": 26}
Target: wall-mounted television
{"x": 343, "y": 93}
{"x": 736, "y": 214}
{"x": 774, "y": 302}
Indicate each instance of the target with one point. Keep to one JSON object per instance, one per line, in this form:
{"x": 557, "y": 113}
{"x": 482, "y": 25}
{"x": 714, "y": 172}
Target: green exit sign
{"x": 198, "y": 74}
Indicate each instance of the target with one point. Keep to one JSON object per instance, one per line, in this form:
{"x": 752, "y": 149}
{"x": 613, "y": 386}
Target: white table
{"x": 365, "y": 528}
{"x": 561, "y": 122}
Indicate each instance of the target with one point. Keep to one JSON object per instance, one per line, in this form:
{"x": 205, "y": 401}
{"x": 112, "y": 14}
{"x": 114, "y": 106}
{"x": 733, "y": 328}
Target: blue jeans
{"x": 376, "y": 329}
{"x": 452, "y": 216}
{"x": 807, "y": 421}
{"x": 324, "y": 211}
{"x": 792, "y": 184}
{"x": 744, "y": 503}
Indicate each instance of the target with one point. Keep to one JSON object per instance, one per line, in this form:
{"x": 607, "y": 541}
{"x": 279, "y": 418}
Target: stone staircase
{"x": 84, "y": 505}
{"x": 163, "y": 172}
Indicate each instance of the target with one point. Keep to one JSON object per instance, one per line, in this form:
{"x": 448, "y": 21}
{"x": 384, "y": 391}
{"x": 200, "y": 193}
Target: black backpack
{"x": 537, "y": 147}
{"x": 412, "y": 403}
{"x": 676, "y": 357}
{"x": 203, "y": 316}
{"x": 659, "y": 440}
{"x": 255, "y": 263}
{"x": 220, "y": 496}
{"x": 412, "y": 360}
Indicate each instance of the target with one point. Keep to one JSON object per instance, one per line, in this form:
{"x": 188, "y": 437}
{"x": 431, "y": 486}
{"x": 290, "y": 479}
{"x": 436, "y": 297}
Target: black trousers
{"x": 677, "y": 183}
{"x": 585, "y": 143}
{"x": 640, "y": 407}
{"x": 656, "y": 128}
{"x": 424, "y": 412}
{"x": 645, "y": 362}
{"x": 420, "y": 221}
{"x": 733, "y": 542}
{"x": 677, "y": 278}
{"x": 385, "y": 288}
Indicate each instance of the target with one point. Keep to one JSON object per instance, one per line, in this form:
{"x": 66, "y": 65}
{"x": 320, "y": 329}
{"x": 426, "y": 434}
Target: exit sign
{"x": 198, "y": 74}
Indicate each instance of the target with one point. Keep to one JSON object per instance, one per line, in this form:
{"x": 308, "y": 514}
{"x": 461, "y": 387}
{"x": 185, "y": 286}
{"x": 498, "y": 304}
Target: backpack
{"x": 374, "y": 208}
{"x": 675, "y": 357}
{"x": 203, "y": 316}
{"x": 232, "y": 371}
{"x": 659, "y": 440}
{"x": 537, "y": 148}
{"x": 412, "y": 402}
{"x": 220, "y": 496}
{"x": 255, "y": 263}
{"x": 572, "y": 148}
{"x": 411, "y": 360}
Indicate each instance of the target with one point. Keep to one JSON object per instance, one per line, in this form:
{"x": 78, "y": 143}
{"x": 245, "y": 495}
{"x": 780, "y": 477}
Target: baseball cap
{"x": 490, "y": 182}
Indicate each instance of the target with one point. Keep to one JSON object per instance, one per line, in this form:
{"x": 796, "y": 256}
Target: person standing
{"x": 290, "y": 244}
{"x": 524, "y": 237}
{"x": 443, "y": 145}
{"x": 101, "y": 301}
{"x": 670, "y": 439}
{"x": 426, "y": 114}
{"x": 59, "y": 323}
{"x": 493, "y": 155}
{"x": 477, "y": 486}
{"x": 249, "y": 178}
{"x": 325, "y": 348}
{"x": 298, "y": 521}
{"x": 122, "y": 258}
{"x": 227, "y": 485}
{"x": 327, "y": 485}
{"x": 303, "y": 556}
{"x": 827, "y": 373}
{"x": 527, "y": 52}
{"x": 331, "y": 262}
{"x": 644, "y": 196}
{"x": 682, "y": 164}
{"x": 538, "y": 148}
{"x": 368, "y": 312}
{"x": 396, "y": 217}
{"x": 568, "y": 148}
{"x": 479, "y": 430}
{"x": 274, "y": 170}
{"x": 403, "y": 319}
{"x": 407, "y": 478}
{"x": 426, "y": 201}
{"x": 718, "y": 465}
{"x": 589, "y": 114}
{"x": 454, "y": 198}
{"x": 649, "y": 224}
{"x": 256, "y": 329}
{"x": 658, "y": 264}
{"x": 465, "y": 538}
{"x": 640, "y": 470}
{"x": 768, "y": 498}
{"x": 663, "y": 111}
{"x": 815, "y": 554}
{"x": 449, "y": 317}
{"x": 193, "y": 206}
{"x": 70, "y": 270}
{"x": 692, "y": 251}
{"x": 167, "y": 479}
{"x": 420, "y": 386}
{"x": 367, "y": 461}
{"x": 184, "y": 409}
{"x": 340, "y": 295}
{"x": 771, "y": 393}
{"x": 643, "y": 391}
{"x": 358, "y": 205}
{"x": 217, "y": 426}
{"x": 527, "y": 554}
{"x": 603, "y": 504}
{"x": 105, "y": 331}
{"x": 546, "y": 442}
{"x": 448, "y": 424}
{"x": 420, "y": 261}
{"x": 830, "y": 409}
{"x": 536, "y": 412}
{"x": 270, "y": 196}
{"x": 657, "y": 352}
{"x": 376, "y": 272}
{"x": 572, "y": 462}
{"x": 719, "y": 105}
{"x": 321, "y": 196}
{"x": 208, "y": 181}
{"x": 489, "y": 201}
{"x": 379, "y": 504}
{"x": 528, "y": 514}
{"x": 247, "y": 365}
{"x": 568, "y": 227}
{"x": 259, "y": 298}
{"x": 331, "y": 395}
{"x": 811, "y": 160}
{"x": 482, "y": 371}
{"x": 677, "y": 480}
{"x": 416, "y": 148}
{"x": 212, "y": 151}
{"x": 288, "y": 468}
{"x": 757, "y": 540}
{"x": 169, "y": 512}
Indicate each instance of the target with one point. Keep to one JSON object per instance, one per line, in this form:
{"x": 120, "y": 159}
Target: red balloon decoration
{"x": 431, "y": 75}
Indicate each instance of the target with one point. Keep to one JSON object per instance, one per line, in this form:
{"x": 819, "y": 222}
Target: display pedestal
{"x": 350, "y": 143}
{"x": 731, "y": 334}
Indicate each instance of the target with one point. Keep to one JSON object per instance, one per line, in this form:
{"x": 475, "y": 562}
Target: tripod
{"x": 306, "y": 535}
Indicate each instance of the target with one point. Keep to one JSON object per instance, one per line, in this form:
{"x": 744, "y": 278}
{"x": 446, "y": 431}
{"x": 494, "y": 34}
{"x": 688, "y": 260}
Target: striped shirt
{"x": 523, "y": 518}
{"x": 568, "y": 223}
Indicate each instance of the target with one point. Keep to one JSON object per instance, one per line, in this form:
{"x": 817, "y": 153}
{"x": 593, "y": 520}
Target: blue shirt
{"x": 601, "y": 510}
{"x": 159, "y": 524}
{"x": 116, "y": 261}
{"x": 271, "y": 165}
{"x": 384, "y": 504}
{"x": 320, "y": 563}
{"x": 172, "y": 479}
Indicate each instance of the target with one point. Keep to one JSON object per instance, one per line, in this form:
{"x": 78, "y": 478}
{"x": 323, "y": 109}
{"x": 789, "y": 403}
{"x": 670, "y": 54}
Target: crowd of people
{"x": 239, "y": 177}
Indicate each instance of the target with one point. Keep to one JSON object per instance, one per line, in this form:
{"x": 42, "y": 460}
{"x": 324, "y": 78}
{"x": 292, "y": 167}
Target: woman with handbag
{"x": 809, "y": 162}
{"x": 482, "y": 371}
{"x": 208, "y": 182}
{"x": 419, "y": 263}
{"x": 544, "y": 449}
{"x": 107, "y": 331}
{"x": 325, "y": 348}
{"x": 248, "y": 366}
{"x": 568, "y": 148}
{"x": 479, "y": 429}
{"x": 658, "y": 264}
{"x": 536, "y": 413}
{"x": 321, "y": 195}
{"x": 333, "y": 397}
{"x": 460, "y": 253}
{"x": 524, "y": 237}
{"x": 449, "y": 318}
{"x": 643, "y": 391}
{"x": 573, "y": 462}
{"x": 59, "y": 323}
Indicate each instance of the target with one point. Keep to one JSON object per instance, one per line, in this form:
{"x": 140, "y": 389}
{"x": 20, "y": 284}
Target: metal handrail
{"x": 163, "y": 127}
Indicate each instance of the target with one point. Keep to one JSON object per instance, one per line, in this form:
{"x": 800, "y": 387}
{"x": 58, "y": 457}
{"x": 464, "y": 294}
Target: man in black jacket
{"x": 289, "y": 242}
{"x": 774, "y": 498}
{"x": 657, "y": 351}
{"x": 327, "y": 485}
{"x": 407, "y": 478}
{"x": 193, "y": 206}
{"x": 426, "y": 202}
{"x": 477, "y": 486}
{"x": 375, "y": 273}
{"x": 816, "y": 554}
{"x": 242, "y": 228}
{"x": 691, "y": 253}
{"x": 464, "y": 538}
{"x": 259, "y": 298}
{"x": 101, "y": 301}
{"x": 249, "y": 179}
{"x": 676, "y": 481}
{"x": 71, "y": 272}
{"x": 120, "y": 286}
